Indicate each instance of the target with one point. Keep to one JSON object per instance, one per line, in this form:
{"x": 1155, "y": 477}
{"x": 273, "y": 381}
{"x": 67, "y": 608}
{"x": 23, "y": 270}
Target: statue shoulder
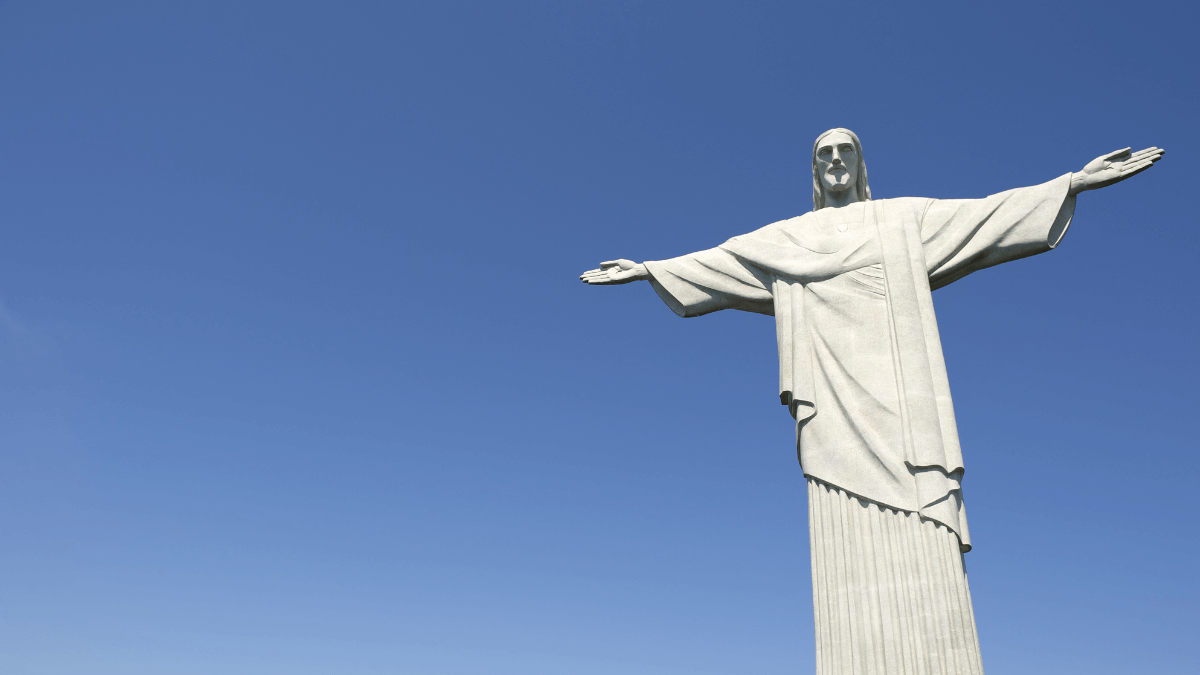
{"x": 778, "y": 228}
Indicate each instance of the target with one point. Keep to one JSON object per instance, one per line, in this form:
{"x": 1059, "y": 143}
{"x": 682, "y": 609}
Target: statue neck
{"x": 843, "y": 198}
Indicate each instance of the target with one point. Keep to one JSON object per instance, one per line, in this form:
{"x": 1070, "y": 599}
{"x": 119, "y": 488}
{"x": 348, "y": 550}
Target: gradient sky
{"x": 296, "y": 374}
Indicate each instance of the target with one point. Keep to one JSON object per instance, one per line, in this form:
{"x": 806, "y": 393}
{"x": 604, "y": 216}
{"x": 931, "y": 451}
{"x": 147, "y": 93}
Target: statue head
{"x": 838, "y": 167}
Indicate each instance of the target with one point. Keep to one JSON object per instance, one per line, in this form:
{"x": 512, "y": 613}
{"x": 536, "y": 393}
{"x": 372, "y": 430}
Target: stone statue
{"x": 862, "y": 373}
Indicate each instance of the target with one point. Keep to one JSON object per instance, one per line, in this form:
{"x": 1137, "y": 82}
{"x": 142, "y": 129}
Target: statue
{"x": 861, "y": 371}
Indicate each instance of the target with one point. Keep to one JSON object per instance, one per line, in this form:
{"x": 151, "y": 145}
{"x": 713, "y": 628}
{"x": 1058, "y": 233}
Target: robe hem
{"x": 963, "y": 546}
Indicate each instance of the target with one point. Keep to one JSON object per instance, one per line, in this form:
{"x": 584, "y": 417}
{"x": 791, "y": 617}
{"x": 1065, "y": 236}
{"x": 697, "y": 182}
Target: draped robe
{"x": 860, "y": 360}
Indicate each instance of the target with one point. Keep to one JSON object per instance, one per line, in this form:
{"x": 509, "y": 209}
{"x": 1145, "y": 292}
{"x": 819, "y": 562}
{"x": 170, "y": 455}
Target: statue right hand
{"x": 614, "y": 272}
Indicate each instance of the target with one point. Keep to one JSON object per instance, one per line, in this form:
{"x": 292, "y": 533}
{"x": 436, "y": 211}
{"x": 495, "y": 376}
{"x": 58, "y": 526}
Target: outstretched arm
{"x": 1113, "y": 168}
{"x": 694, "y": 284}
{"x": 961, "y": 236}
{"x": 613, "y": 272}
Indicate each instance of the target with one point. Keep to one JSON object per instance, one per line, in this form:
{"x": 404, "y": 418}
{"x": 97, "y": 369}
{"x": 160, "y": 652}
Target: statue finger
{"x": 1135, "y": 171}
{"x": 1143, "y": 153}
{"x": 1130, "y": 166}
{"x": 1112, "y": 156}
{"x": 1135, "y": 167}
{"x": 1154, "y": 154}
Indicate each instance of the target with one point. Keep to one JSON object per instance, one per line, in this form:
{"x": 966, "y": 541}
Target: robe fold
{"x": 860, "y": 361}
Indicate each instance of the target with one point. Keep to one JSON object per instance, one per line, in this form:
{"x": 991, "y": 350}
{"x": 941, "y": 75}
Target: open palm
{"x": 1115, "y": 167}
{"x": 614, "y": 272}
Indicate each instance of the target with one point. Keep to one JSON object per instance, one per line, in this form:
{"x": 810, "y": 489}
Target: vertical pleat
{"x": 890, "y": 591}
{"x": 844, "y": 605}
{"x": 816, "y": 533}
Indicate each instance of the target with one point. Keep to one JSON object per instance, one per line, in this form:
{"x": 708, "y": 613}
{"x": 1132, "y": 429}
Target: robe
{"x": 860, "y": 359}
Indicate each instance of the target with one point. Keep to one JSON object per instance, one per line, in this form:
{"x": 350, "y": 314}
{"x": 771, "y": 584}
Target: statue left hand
{"x": 1113, "y": 168}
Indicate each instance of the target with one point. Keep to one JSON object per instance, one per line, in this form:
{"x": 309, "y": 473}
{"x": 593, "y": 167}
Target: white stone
{"x": 862, "y": 373}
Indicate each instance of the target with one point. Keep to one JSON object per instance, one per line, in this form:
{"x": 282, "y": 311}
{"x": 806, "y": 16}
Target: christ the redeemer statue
{"x": 862, "y": 373}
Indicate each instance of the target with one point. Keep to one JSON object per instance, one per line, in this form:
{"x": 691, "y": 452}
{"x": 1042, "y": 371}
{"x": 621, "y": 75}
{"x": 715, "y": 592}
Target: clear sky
{"x": 296, "y": 374}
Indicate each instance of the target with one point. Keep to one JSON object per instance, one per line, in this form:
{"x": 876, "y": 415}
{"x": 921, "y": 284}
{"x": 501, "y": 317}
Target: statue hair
{"x": 861, "y": 185}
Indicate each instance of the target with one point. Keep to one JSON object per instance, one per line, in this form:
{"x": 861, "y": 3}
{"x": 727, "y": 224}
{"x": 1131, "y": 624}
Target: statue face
{"x": 837, "y": 162}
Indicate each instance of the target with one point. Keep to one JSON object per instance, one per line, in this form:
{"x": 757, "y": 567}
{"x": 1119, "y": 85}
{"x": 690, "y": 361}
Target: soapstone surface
{"x": 862, "y": 374}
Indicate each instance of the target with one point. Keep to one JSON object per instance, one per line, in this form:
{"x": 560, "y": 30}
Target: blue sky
{"x": 296, "y": 375}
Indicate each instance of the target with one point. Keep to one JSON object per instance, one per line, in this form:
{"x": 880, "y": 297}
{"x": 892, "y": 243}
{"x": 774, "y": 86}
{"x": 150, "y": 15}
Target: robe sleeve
{"x": 961, "y": 236}
{"x": 704, "y": 282}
